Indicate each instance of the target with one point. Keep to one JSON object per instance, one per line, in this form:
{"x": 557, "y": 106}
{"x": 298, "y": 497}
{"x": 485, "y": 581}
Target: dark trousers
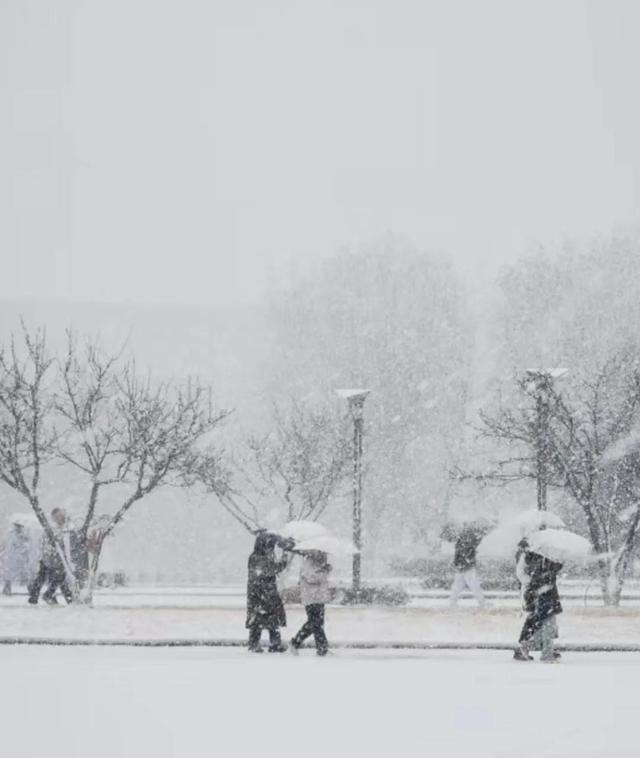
{"x": 532, "y": 625}
{"x": 314, "y": 625}
{"x": 56, "y": 578}
{"x": 255, "y": 632}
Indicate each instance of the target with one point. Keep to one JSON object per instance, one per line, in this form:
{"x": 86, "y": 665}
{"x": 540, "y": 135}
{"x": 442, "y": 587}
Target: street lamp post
{"x": 356, "y": 398}
{"x": 542, "y": 380}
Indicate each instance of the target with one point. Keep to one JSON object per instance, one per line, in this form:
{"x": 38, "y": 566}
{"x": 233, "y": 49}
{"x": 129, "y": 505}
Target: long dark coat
{"x": 464, "y": 557}
{"x": 77, "y": 548}
{"x": 541, "y": 598}
{"x": 264, "y": 605}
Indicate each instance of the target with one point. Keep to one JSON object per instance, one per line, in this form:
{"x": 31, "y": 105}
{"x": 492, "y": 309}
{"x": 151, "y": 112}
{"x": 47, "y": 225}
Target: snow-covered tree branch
{"x": 593, "y": 452}
{"x": 90, "y": 411}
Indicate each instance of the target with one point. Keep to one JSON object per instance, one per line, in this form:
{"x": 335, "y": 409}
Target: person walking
{"x": 265, "y": 609}
{"x": 17, "y": 556}
{"x": 465, "y": 573}
{"x": 52, "y": 569}
{"x": 314, "y": 594}
{"x": 541, "y": 600}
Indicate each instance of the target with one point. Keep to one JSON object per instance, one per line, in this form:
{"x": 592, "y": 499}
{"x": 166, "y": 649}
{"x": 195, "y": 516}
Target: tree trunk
{"x": 92, "y": 573}
{"x": 85, "y": 580}
{"x": 611, "y": 581}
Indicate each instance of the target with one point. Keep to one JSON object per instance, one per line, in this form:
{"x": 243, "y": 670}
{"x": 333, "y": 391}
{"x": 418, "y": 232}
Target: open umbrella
{"x": 327, "y": 543}
{"x": 302, "y": 530}
{"x": 501, "y": 542}
{"x": 559, "y": 545}
{"x": 532, "y": 520}
{"x": 27, "y": 520}
{"x": 455, "y": 527}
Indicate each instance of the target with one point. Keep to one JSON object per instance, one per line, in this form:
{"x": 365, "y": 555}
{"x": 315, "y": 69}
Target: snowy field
{"x": 186, "y": 703}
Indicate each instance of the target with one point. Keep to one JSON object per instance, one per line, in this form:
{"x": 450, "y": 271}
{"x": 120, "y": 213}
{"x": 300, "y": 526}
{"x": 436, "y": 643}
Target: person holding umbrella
{"x": 265, "y": 609}
{"x": 541, "y": 600}
{"x": 465, "y": 572}
{"x": 17, "y": 554}
{"x": 314, "y": 594}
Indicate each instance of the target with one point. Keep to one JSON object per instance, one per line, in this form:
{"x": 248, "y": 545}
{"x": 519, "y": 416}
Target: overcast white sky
{"x": 188, "y": 151}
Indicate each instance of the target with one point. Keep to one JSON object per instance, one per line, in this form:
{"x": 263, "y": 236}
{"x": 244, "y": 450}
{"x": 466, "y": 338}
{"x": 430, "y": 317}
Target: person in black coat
{"x": 541, "y": 602}
{"x": 464, "y": 565}
{"x": 52, "y": 568}
{"x": 265, "y": 609}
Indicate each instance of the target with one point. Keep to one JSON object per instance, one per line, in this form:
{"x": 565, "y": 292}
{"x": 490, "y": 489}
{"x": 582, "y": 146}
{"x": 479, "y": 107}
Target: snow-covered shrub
{"x": 381, "y": 595}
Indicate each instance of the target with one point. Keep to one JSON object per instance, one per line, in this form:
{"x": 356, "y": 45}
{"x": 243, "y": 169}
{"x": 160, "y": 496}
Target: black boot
{"x": 275, "y": 642}
{"x": 50, "y": 599}
{"x": 255, "y": 632}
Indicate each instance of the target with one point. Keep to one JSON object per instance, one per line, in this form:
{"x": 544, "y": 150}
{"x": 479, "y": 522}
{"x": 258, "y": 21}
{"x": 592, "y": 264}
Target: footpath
{"x": 191, "y": 617}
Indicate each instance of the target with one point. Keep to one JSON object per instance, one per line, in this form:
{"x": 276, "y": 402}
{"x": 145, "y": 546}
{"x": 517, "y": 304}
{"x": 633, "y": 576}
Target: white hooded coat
{"x": 18, "y": 557}
{"x": 314, "y": 582}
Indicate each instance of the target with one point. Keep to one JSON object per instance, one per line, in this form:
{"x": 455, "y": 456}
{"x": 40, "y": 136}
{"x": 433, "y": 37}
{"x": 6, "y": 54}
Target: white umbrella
{"x": 532, "y": 520}
{"x": 559, "y": 545}
{"x": 327, "y": 543}
{"x": 501, "y": 542}
{"x": 302, "y": 530}
{"x": 27, "y": 520}
{"x": 456, "y": 527}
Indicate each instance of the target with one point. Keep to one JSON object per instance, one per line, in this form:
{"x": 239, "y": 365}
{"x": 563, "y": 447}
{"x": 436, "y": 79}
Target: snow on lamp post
{"x": 542, "y": 381}
{"x": 356, "y": 398}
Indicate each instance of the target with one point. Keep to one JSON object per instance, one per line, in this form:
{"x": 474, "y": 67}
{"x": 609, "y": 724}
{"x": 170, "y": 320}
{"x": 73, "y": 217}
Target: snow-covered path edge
{"x": 352, "y": 644}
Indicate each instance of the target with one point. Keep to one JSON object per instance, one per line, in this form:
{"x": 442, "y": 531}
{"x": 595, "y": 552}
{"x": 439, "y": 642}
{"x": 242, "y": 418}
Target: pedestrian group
{"x": 42, "y": 566}
{"x": 265, "y": 609}
{"x": 51, "y": 566}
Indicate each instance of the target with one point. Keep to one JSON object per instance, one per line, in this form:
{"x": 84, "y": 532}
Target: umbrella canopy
{"x": 501, "y": 542}
{"x": 559, "y": 545}
{"x": 302, "y": 530}
{"x": 533, "y": 520}
{"x": 454, "y": 528}
{"x": 327, "y": 543}
{"x": 27, "y": 520}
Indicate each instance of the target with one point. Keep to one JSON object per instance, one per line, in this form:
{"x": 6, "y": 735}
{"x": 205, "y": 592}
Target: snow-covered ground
{"x": 187, "y": 703}
{"x": 192, "y": 616}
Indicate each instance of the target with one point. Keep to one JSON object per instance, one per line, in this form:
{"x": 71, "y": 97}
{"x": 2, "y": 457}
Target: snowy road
{"x": 115, "y": 703}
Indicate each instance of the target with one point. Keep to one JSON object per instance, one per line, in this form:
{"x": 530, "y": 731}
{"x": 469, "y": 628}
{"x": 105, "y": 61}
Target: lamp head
{"x": 353, "y": 395}
{"x": 356, "y": 398}
{"x": 546, "y": 373}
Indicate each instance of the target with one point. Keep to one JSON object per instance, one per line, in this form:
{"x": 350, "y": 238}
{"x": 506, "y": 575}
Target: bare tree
{"x": 301, "y": 463}
{"x": 89, "y": 411}
{"x": 592, "y": 444}
{"x": 28, "y": 439}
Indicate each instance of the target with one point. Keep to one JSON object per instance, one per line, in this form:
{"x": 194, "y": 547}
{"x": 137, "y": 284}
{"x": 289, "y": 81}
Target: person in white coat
{"x": 314, "y": 594}
{"x": 17, "y": 557}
